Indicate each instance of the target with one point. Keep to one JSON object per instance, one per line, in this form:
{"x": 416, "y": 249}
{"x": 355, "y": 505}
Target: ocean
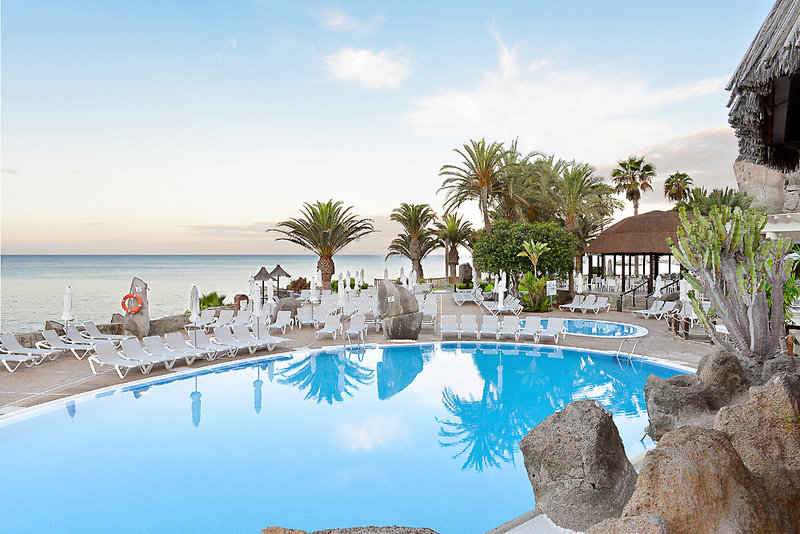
{"x": 32, "y": 286}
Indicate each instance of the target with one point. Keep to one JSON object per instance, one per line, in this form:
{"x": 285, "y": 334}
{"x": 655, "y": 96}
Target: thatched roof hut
{"x": 643, "y": 234}
{"x": 763, "y": 88}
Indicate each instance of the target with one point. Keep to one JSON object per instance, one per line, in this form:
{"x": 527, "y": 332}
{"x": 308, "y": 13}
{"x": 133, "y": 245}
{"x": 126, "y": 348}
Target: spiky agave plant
{"x": 324, "y": 228}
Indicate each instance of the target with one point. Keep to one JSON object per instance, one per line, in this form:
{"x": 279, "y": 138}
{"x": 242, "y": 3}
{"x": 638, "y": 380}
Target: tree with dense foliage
{"x": 533, "y": 250}
{"x": 703, "y": 201}
{"x": 324, "y": 228}
{"x": 728, "y": 259}
{"x": 499, "y": 251}
{"x": 416, "y": 235}
{"x": 677, "y": 186}
{"x": 453, "y": 232}
{"x": 479, "y": 177}
{"x": 633, "y": 177}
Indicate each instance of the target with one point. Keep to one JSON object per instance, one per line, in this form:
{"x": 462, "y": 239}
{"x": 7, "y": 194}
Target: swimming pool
{"x": 419, "y": 435}
{"x": 594, "y": 328}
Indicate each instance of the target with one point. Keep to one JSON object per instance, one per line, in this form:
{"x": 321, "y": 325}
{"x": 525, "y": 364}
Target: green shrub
{"x": 335, "y": 285}
{"x": 534, "y": 291}
{"x": 212, "y": 299}
{"x": 299, "y": 284}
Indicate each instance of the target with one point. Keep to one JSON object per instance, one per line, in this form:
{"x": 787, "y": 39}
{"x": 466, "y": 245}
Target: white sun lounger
{"x": 74, "y": 336}
{"x": 200, "y": 340}
{"x": 449, "y": 326}
{"x": 243, "y": 317}
{"x": 205, "y": 319}
{"x": 176, "y": 342}
{"x": 243, "y": 334}
{"x": 155, "y": 346}
{"x": 132, "y": 350}
{"x": 554, "y": 329}
{"x": 224, "y": 335}
{"x": 357, "y": 327}
{"x": 668, "y": 307}
{"x": 530, "y": 329}
{"x": 469, "y": 325}
{"x": 460, "y": 297}
{"x": 575, "y": 304}
{"x": 489, "y": 325}
{"x": 93, "y": 332}
{"x": 588, "y": 301}
{"x": 106, "y": 354}
{"x": 282, "y": 320}
{"x": 429, "y": 310}
{"x": 304, "y": 316}
{"x": 12, "y": 345}
{"x": 509, "y": 327}
{"x": 652, "y": 311}
{"x": 333, "y": 324}
{"x": 599, "y": 304}
{"x": 28, "y": 359}
{"x": 225, "y": 318}
{"x": 54, "y": 342}
{"x": 264, "y": 335}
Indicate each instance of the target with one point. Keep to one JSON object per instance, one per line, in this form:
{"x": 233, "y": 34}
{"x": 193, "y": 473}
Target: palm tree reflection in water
{"x": 327, "y": 376}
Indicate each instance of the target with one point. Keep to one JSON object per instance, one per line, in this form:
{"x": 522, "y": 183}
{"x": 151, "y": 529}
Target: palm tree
{"x": 677, "y": 186}
{"x": 533, "y": 250}
{"x": 401, "y": 246}
{"x": 479, "y": 177}
{"x": 454, "y": 232}
{"x": 581, "y": 194}
{"x": 701, "y": 200}
{"x": 542, "y": 176}
{"x": 634, "y": 177}
{"x": 415, "y": 219}
{"x": 324, "y": 228}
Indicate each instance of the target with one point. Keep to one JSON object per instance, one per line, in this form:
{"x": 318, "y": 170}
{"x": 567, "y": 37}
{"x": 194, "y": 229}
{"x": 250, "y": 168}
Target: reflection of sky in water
{"x": 375, "y": 436}
{"x": 590, "y": 327}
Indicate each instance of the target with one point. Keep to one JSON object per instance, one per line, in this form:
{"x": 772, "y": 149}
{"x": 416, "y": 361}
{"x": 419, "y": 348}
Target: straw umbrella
{"x": 67, "y": 315}
{"x": 258, "y": 311}
{"x": 277, "y": 272}
{"x": 194, "y": 309}
{"x": 262, "y": 276}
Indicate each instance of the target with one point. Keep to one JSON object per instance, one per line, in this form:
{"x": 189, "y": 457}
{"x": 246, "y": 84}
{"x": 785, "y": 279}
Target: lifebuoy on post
{"x": 135, "y": 308}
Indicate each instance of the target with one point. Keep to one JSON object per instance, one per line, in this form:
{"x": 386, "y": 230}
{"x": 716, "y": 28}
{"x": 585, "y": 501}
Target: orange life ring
{"x": 131, "y": 296}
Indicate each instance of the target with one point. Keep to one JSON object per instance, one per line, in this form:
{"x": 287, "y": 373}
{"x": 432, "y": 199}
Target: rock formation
{"x": 772, "y": 191}
{"x": 697, "y": 482}
{"x": 465, "y": 273}
{"x": 723, "y": 378}
{"x": 578, "y": 467}
{"x": 640, "y": 524}
{"x": 680, "y": 400}
{"x": 286, "y": 304}
{"x": 138, "y": 323}
{"x": 355, "y": 530}
{"x": 399, "y": 311}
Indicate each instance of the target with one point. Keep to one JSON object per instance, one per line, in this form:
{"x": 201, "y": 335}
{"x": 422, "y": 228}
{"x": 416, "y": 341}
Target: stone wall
{"x": 772, "y": 191}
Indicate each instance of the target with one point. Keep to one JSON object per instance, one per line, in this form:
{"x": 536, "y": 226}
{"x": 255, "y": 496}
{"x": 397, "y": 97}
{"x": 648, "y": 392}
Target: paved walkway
{"x": 67, "y": 376}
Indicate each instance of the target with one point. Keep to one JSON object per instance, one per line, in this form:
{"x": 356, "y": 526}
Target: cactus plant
{"x": 729, "y": 260}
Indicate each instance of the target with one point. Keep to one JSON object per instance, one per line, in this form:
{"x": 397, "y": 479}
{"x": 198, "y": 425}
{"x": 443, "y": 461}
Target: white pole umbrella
{"x": 385, "y": 273}
{"x": 258, "y": 311}
{"x": 658, "y": 287}
{"x": 313, "y": 289}
{"x": 684, "y": 290}
{"x": 270, "y": 295}
{"x": 579, "y": 283}
{"x": 319, "y": 277}
{"x": 67, "y": 315}
{"x": 341, "y": 289}
{"x": 252, "y": 291}
{"x": 475, "y": 280}
{"x": 501, "y": 293}
{"x": 402, "y": 274}
{"x": 194, "y": 309}
{"x": 362, "y": 276}
{"x": 347, "y": 281}
{"x": 271, "y": 371}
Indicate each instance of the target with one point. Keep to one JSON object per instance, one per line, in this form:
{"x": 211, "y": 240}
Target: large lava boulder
{"x": 289, "y": 304}
{"x": 697, "y": 482}
{"x": 399, "y": 311}
{"x": 138, "y": 323}
{"x": 765, "y": 431}
{"x": 680, "y": 400}
{"x": 723, "y": 378}
{"x": 578, "y": 467}
{"x": 465, "y": 273}
{"x": 640, "y": 524}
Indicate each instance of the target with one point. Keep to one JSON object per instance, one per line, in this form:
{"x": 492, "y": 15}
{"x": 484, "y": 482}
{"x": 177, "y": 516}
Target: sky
{"x": 191, "y": 127}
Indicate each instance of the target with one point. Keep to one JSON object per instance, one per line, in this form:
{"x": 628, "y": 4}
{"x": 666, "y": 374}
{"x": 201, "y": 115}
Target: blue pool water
{"x": 412, "y": 435}
{"x": 589, "y": 327}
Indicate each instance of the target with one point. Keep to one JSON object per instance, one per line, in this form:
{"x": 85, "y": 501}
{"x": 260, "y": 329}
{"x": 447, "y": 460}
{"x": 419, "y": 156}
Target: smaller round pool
{"x": 594, "y": 328}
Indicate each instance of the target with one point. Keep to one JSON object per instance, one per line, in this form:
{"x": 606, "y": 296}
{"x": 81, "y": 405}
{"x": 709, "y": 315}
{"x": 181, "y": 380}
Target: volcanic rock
{"x": 680, "y": 400}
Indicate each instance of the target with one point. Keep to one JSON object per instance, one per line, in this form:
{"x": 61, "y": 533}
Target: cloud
{"x": 375, "y": 431}
{"x": 584, "y": 112}
{"x": 338, "y": 20}
{"x": 9, "y": 170}
{"x": 382, "y": 69}
{"x": 232, "y": 43}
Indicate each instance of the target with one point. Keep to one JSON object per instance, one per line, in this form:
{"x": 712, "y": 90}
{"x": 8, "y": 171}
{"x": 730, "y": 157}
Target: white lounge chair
{"x": 469, "y": 325}
{"x": 489, "y": 325}
{"x": 132, "y": 350}
{"x": 449, "y": 325}
{"x": 93, "y": 332}
{"x": 652, "y": 311}
{"x": 243, "y": 334}
{"x": 282, "y": 320}
{"x": 200, "y": 340}
{"x": 588, "y": 301}
{"x": 509, "y": 327}
{"x": 12, "y": 345}
{"x": 53, "y": 342}
{"x": 242, "y": 317}
{"x": 225, "y": 318}
{"x": 155, "y": 346}
{"x": 598, "y": 305}
{"x": 223, "y": 335}
{"x": 460, "y": 297}
{"x": 304, "y": 316}
{"x": 554, "y": 329}
{"x": 262, "y": 334}
{"x": 106, "y": 354}
{"x": 206, "y": 318}
{"x": 75, "y": 336}
{"x": 429, "y": 311}
{"x": 333, "y": 324}
{"x": 530, "y": 329}
{"x": 357, "y": 327}
{"x": 176, "y": 342}
{"x": 29, "y": 360}
{"x": 576, "y": 303}
{"x": 668, "y": 307}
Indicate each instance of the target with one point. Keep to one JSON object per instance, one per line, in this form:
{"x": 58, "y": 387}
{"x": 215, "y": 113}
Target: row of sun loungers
{"x": 510, "y": 327}
{"x": 587, "y": 303}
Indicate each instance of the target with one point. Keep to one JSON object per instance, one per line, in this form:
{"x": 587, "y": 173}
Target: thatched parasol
{"x": 277, "y": 272}
{"x": 262, "y": 276}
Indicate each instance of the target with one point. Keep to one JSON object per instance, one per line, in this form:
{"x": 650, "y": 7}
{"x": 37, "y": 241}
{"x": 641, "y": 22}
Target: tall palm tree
{"x": 580, "y": 194}
{"x": 415, "y": 219}
{"x": 479, "y": 177}
{"x": 634, "y": 177}
{"x": 324, "y": 228}
{"x": 454, "y": 232}
{"x": 401, "y": 246}
{"x": 542, "y": 177}
{"x": 677, "y": 186}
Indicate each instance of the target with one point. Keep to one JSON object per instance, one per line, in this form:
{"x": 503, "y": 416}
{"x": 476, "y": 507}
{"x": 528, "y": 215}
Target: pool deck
{"x": 68, "y": 376}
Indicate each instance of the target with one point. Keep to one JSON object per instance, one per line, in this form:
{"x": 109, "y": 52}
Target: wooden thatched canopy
{"x": 643, "y": 234}
{"x": 765, "y": 91}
